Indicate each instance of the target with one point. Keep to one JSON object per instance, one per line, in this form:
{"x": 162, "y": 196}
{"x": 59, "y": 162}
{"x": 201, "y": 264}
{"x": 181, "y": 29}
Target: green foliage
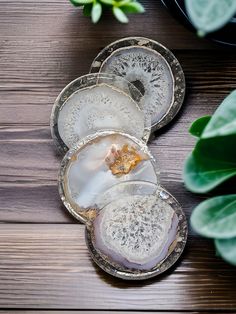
{"x": 226, "y": 248}
{"x": 96, "y": 12}
{"x": 212, "y": 162}
{"x": 120, "y": 15}
{"x": 120, "y": 8}
{"x": 213, "y": 159}
{"x": 216, "y": 217}
{"x": 78, "y": 3}
{"x": 87, "y": 9}
{"x": 199, "y": 125}
{"x": 223, "y": 121}
{"x": 210, "y": 15}
{"x": 133, "y": 7}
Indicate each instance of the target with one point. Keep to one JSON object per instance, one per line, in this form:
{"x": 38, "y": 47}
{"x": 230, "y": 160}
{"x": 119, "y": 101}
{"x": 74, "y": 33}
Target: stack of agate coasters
{"x": 108, "y": 178}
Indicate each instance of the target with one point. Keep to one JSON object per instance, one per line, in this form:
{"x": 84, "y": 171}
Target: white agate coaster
{"x": 98, "y": 162}
{"x": 139, "y": 234}
{"x": 97, "y": 102}
{"x": 153, "y": 69}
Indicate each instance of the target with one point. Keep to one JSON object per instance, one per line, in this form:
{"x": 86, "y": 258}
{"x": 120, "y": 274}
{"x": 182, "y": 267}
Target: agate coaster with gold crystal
{"x": 153, "y": 69}
{"x": 96, "y": 102}
{"x": 139, "y": 233}
{"x": 98, "y": 162}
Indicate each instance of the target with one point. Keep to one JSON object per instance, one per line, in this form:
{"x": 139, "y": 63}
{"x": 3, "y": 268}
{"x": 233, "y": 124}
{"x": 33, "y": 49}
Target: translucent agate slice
{"x": 153, "y": 69}
{"x": 86, "y": 172}
{"x": 139, "y": 232}
{"x": 97, "y": 102}
{"x": 148, "y": 70}
{"x": 136, "y": 231}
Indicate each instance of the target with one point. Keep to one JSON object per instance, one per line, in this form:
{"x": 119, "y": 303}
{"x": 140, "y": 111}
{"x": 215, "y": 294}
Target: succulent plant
{"x": 94, "y": 8}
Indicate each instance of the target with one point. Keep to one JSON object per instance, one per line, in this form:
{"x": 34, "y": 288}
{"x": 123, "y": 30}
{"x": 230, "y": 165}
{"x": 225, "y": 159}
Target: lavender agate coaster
{"x": 98, "y": 162}
{"x": 153, "y": 69}
{"x": 139, "y": 233}
{"x": 96, "y": 102}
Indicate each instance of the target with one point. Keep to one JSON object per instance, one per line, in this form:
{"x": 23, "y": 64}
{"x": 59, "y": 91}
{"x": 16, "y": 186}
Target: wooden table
{"x": 44, "y": 263}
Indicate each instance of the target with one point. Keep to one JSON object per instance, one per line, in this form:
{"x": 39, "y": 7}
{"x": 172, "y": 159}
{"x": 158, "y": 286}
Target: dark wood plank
{"x": 48, "y": 266}
{"x": 105, "y": 312}
{"x": 57, "y": 22}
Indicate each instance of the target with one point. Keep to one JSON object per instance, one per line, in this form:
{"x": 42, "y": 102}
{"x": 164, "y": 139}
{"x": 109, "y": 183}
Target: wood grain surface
{"x": 44, "y": 263}
{"x": 48, "y": 266}
{"x": 105, "y": 312}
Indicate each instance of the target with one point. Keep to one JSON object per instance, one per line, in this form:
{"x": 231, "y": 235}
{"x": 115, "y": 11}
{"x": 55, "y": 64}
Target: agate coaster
{"x": 153, "y": 69}
{"x": 140, "y": 233}
{"x": 97, "y": 163}
{"x": 96, "y": 102}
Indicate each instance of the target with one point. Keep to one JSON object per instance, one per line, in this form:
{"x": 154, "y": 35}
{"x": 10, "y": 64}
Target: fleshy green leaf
{"x": 212, "y": 162}
{"x": 87, "y": 9}
{"x": 94, "y": 8}
{"x": 96, "y": 12}
{"x": 119, "y": 14}
{"x": 216, "y": 217}
{"x": 133, "y": 7}
{"x": 108, "y": 2}
{"x": 80, "y": 2}
{"x": 210, "y": 15}
{"x": 199, "y": 125}
{"x": 227, "y": 249}
{"x": 223, "y": 121}
{"x": 75, "y": 4}
{"x": 122, "y": 3}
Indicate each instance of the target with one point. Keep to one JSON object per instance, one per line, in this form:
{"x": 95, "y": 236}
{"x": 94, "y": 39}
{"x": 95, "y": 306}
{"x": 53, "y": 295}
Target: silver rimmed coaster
{"x": 140, "y": 233}
{"x": 96, "y": 102}
{"x": 152, "y": 68}
{"x": 95, "y": 164}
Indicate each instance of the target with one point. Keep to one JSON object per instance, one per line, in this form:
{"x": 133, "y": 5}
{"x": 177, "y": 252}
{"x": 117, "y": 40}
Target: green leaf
{"x": 216, "y": 217}
{"x": 227, "y": 249}
{"x": 223, "y": 121}
{"x": 212, "y": 162}
{"x": 108, "y": 2}
{"x": 121, "y": 3}
{"x": 119, "y": 14}
{"x": 75, "y": 4}
{"x": 87, "y": 9}
{"x": 210, "y": 15}
{"x": 133, "y": 7}
{"x": 96, "y": 12}
{"x": 80, "y": 2}
{"x": 199, "y": 125}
